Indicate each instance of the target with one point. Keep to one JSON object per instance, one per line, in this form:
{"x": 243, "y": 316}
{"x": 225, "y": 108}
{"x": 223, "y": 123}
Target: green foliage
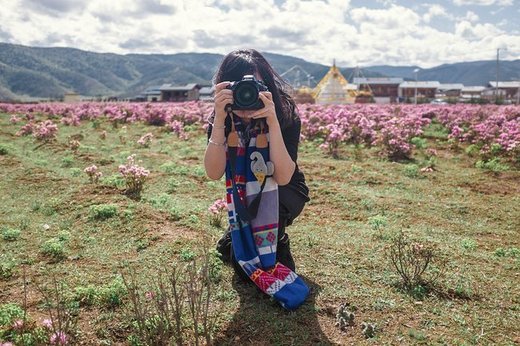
{"x": 495, "y": 149}
{"x": 169, "y": 167}
{"x": 187, "y": 254}
{"x": 493, "y": 165}
{"x": 67, "y": 161}
{"x": 7, "y": 267}
{"x": 10, "y": 234}
{"x": 115, "y": 180}
{"x": 420, "y": 143}
{"x": 102, "y": 211}
{"x": 472, "y": 150}
{"x": 411, "y": 171}
{"x": 377, "y": 222}
{"x": 416, "y": 334}
{"x": 508, "y": 252}
{"x": 9, "y": 313}
{"x": 4, "y": 149}
{"x": 54, "y": 248}
{"x": 468, "y": 244}
{"x": 75, "y": 172}
{"x": 86, "y": 295}
{"x": 112, "y": 295}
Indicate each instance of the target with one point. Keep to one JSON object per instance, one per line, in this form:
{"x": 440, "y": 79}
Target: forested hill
{"x": 50, "y": 72}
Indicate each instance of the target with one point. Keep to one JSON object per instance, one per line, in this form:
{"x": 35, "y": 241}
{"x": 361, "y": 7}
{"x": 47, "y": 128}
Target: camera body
{"x": 246, "y": 93}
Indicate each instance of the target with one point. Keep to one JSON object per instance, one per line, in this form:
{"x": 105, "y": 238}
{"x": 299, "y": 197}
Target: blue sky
{"x": 354, "y": 32}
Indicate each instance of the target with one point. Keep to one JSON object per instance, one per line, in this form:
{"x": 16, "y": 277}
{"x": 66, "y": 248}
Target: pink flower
{"x": 18, "y": 325}
{"x": 218, "y": 206}
{"x": 58, "y": 338}
{"x": 47, "y": 323}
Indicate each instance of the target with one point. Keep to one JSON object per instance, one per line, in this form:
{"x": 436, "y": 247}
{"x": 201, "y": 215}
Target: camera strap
{"x": 246, "y": 213}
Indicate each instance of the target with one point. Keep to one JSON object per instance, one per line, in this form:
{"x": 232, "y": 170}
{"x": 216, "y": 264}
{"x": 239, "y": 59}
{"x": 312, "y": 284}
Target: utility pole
{"x": 496, "y": 86}
{"x": 415, "y": 98}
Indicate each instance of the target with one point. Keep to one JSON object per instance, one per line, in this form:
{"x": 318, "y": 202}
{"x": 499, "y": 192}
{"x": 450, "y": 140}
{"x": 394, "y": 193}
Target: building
{"x": 71, "y": 97}
{"x": 425, "y": 90}
{"x": 152, "y": 94}
{"x": 449, "y": 90}
{"x": 333, "y": 88}
{"x": 509, "y": 90}
{"x": 471, "y": 93}
{"x": 178, "y": 93}
{"x": 206, "y": 93}
{"x": 384, "y": 90}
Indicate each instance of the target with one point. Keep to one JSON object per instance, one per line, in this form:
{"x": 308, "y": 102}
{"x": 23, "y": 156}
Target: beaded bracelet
{"x": 216, "y": 127}
{"x": 216, "y": 143}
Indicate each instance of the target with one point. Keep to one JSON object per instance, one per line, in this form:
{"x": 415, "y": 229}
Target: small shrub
{"x": 102, "y": 211}
{"x": 420, "y": 143}
{"x": 86, "y": 296}
{"x": 4, "y": 149}
{"x": 75, "y": 172}
{"x": 411, "y": 171}
{"x": 10, "y": 234}
{"x": 218, "y": 212}
{"x": 9, "y": 313}
{"x": 145, "y": 140}
{"x": 368, "y": 329}
{"x": 468, "y": 244}
{"x": 67, "y": 161}
{"x": 187, "y": 254}
{"x": 175, "y": 214}
{"x": 114, "y": 181}
{"x": 173, "y": 303}
{"x": 134, "y": 175}
{"x": 377, "y": 222}
{"x": 53, "y": 248}
{"x": 168, "y": 167}
{"x": 511, "y": 252}
{"x": 344, "y": 317}
{"x": 112, "y": 295}
{"x": 412, "y": 260}
{"x": 472, "y": 150}
{"x": 46, "y": 131}
{"x": 7, "y": 267}
{"x": 493, "y": 165}
{"x": 93, "y": 173}
{"x": 60, "y": 327}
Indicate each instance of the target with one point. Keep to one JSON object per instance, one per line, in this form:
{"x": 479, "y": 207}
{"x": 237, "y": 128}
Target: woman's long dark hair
{"x": 250, "y": 62}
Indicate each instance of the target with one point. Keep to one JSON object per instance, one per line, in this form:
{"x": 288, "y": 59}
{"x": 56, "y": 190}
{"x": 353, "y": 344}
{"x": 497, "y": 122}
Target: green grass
{"x": 85, "y": 233}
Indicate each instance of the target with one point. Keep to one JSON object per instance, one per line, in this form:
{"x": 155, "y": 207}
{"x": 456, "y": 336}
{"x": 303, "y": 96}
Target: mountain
{"x": 467, "y": 73}
{"x": 35, "y": 72}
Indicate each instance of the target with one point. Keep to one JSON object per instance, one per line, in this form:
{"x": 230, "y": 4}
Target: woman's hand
{"x": 222, "y": 97}
{"x": 268, "y": 111}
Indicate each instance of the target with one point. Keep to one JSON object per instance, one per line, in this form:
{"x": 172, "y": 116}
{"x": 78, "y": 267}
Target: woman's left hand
{"x": 268, "y": 111}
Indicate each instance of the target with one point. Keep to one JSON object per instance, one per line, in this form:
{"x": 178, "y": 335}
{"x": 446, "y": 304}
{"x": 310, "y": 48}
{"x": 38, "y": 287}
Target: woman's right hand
{"x": 222, "y": 98}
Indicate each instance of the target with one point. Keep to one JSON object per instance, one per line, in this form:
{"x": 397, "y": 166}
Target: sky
{"x": 353, "y": 32}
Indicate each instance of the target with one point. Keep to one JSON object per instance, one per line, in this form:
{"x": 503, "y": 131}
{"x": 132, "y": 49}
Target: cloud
{"x": 483, "y": 2}
{"x": 316, "y": 30}
{"x": 435, "y": 10}
{"x": 53, "y": 7}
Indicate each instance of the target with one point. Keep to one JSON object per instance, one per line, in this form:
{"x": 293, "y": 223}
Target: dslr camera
{"x": 246, "y": 93}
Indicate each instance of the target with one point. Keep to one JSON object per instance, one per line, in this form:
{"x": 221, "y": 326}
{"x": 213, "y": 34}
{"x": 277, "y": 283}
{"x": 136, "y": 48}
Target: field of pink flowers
{"x": 89, "y": 188}
{"x": 489, "y": 129}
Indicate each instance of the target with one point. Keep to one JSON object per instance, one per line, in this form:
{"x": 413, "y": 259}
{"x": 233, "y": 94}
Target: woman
{"x": 239, "y": 146}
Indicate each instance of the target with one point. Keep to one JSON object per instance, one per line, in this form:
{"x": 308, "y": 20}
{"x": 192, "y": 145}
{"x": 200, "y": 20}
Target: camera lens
{"x": 246, "y": 95}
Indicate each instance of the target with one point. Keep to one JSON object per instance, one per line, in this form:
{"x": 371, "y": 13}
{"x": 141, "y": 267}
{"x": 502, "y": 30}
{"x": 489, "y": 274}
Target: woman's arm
{"x": 284, "y": 166}
{"x": 215, "y": 156}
